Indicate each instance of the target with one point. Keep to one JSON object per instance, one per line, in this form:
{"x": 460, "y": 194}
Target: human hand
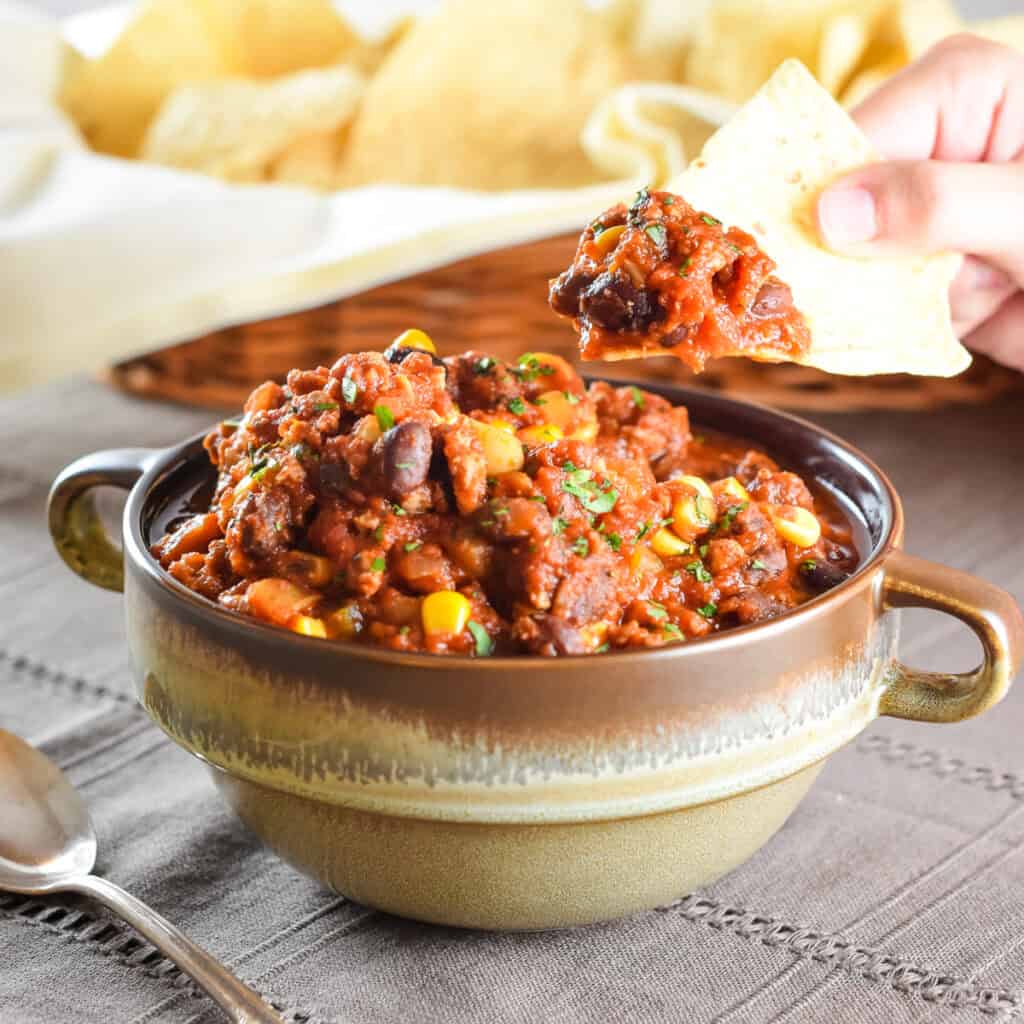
{"x": 952, "y": 127}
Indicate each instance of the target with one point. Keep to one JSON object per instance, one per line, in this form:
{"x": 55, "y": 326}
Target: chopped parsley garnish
{"x": 516, "y": 405}
{"x": 808, "y": 565}
{"x": 645, "y": 528}
{"x": 758, "y": 564}
{"x": 530, "y": 368}
{"x": 710, "y": 221}
{"x": 579, "y": 483}
{"x": 483, "y": 366}
{"x": 597, "y": 227}
{"x": 539, "y": 401}
{"x": 684, "y": 267}
{"x": 278, "y": 526}
{"x": 385, "y": 417}
{"x": 670, "y": 629}
{"x": 735, "y": 248}
{"x": 708, "y": 611}
{"x": 729, "y": 516}
{"x": 581, "y": 546}
{"x": 404, "y": 465}
{"x": 703, "y": 550}
{"x": 700, "y": 510}
{"x": 558, "y": 525}
{"x": 413, "y": 545}
{"x": 398, "y": 510}
{"x": 234, "y": 423}
{"x": 303, "y": 451}
{"x": 656, "y": 233}
{"x": 405, "y": 631}
{"x": 261, "y": 469}
{"x": 656, "y": 611}
{"x": 482, "y": 642}
{"x": 637, "y": 395}
{"x": 642, "y": 196}
{"x": 325, "y": 406}
{"x": 602, "y": 649}
{"x": 537, "y": 497}
{"x": 571, "y": 398}
{"x": 614, "y": 541}
{"x": 698, "y": 572}
{"x": 378, "y": 565}
{"x": 349, "y": 390}
{"x": 668, "y": 201}
{"x": 378, "y": 533}
{"x": 499, "y": 510}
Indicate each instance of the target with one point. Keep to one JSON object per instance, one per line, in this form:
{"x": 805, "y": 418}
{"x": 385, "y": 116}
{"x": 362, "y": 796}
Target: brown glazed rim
{"x": 890, "y": 532}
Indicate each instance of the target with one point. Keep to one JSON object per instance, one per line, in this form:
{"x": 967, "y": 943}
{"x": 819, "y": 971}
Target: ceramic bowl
{"x": 527, "y": 793}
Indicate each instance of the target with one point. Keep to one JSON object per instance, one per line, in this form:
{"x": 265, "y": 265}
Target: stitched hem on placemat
{"x": 941, "y": 765}
{"x": 77, "y": 686}
{"x": 121, "y": 944}
{"x": 834, "y": 951}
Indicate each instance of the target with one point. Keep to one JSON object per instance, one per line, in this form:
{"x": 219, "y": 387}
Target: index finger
{"x": 963, "y": 101}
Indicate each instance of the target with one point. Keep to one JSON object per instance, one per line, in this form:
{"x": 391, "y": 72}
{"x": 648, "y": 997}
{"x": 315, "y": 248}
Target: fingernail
{"x": 847, "y": 215}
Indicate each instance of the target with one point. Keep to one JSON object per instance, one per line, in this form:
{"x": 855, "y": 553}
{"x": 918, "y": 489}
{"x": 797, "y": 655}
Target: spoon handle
{"x": 238, "y": 1001}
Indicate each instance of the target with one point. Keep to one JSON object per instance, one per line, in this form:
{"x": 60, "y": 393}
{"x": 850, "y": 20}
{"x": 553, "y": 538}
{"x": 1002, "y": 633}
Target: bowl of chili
{"x": 487, "y": 645}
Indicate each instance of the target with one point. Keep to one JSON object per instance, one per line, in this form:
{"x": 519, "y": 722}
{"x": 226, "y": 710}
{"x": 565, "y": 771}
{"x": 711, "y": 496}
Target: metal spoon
{"x": 47, "y": 844}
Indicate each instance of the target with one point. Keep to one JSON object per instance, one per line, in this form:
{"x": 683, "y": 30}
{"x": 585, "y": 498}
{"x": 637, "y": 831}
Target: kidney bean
{"x": 613, "y": 302}
{"x": 408, "y": 449}
{"x": 774, "y": 297}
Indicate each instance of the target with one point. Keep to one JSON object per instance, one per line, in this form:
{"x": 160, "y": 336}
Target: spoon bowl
{"x": 47, "y": 845}
{"x": 46, "y": 837}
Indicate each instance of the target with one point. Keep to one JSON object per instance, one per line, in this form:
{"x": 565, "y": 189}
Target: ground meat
{"x": 356, "y": 499}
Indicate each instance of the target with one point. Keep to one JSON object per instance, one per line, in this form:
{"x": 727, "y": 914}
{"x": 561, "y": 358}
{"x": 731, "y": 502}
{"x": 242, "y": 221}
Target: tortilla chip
{"x": 235, "y": 129}
{"x": 487, "y": 96}
{"x": 168, "y": 43}
{"x": 267, "y": 38}
{"x": 763, "y": 172}
{"x": 311, "y": 160}
{"x": 649, "y": 131}
{"x": 844, "y": 38}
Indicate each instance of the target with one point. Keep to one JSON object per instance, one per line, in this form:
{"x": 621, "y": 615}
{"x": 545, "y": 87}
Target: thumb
{"x": 927, "y": 206}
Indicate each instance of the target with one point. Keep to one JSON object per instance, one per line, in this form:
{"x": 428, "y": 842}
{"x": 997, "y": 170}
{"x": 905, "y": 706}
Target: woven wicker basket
{"x": 496, "y": 302}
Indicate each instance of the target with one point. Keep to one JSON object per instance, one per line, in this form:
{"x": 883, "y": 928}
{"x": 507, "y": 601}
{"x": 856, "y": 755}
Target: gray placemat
{"x": 893, "y": 894}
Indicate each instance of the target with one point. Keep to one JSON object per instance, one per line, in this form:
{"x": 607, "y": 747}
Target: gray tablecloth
{"x": 895, "y": 893}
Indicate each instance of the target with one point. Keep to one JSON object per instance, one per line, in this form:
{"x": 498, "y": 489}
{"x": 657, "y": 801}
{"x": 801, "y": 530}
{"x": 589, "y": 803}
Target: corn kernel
{"x": 608, "y": 239}
{"x": 692, "y": 516}
{"x": 732, "y": 488}
{"x": 509, "y": 428}
{"x": 796, "y": 525}
{"x": 667, "y": 544}
{"x": 594, "y": 634}
{"x": 346, "y": 622}
{"x": 546, "y": 433}
{"x": 445, "y": 611}
{"x": 644, "y": 560}
{"x": 558, "y": 410}
{"x": 697, "y": 485}
{"x": 308, "y": 626}
{"x": 503, "y": 451}
{"x": 587, "y": 432}
{"x": 368, "y": 429}
{"x": 415, "y": 338}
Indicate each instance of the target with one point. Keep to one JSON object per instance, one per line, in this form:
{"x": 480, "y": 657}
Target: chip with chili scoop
{"x": 672, "y": 275}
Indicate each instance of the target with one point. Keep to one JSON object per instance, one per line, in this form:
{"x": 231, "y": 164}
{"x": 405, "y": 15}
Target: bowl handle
{"x": 75, "y": 526}
{"x": 991, "y": 613}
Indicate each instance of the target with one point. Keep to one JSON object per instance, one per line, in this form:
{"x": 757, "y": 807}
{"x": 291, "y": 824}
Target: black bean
{"x": 821, "y": 575}
{"x": 399, "y": 353}
{"x": 558, "y": 637}
{"x": 677, "y": 335}
{"x": 613, "y": 302}
{"x": 333, "y": 477}
{"x": 773, "y": 298}
{"x": 407, "y": 450}
{"x": 564, "y": 292}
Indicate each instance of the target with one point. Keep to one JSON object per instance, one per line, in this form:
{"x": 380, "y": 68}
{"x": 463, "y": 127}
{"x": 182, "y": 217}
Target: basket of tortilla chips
{"x": 530, "y": 95}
